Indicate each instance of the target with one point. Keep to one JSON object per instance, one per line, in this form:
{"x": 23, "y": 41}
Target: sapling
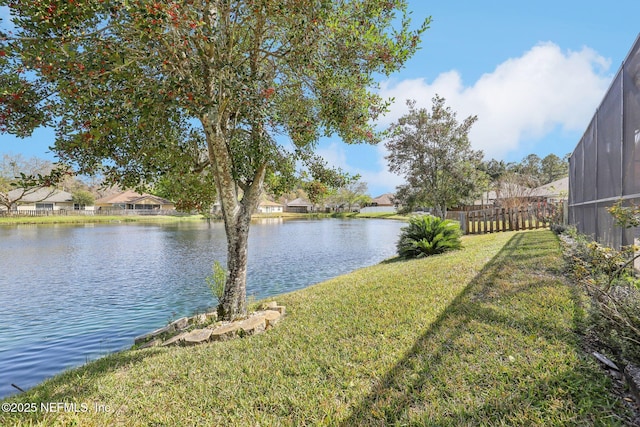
{"x": 216, "y": 281}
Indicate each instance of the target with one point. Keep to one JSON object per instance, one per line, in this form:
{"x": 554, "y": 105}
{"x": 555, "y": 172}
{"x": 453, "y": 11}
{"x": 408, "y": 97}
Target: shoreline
{"x": 147, "y": 228}
{"x": 476, "y": 334}
{"x": 103, "y": 219}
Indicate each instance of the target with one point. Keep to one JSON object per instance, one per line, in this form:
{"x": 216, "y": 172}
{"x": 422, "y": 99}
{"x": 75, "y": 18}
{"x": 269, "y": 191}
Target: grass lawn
{"x": 85, "y": 219}
{"x": 482, "y": 336}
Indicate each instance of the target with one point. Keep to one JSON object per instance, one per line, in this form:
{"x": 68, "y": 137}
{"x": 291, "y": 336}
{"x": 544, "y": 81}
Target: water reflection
{"x": 71, "y": 293}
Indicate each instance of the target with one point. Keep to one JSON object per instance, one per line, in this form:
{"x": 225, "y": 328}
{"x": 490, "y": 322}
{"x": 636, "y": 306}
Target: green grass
{"x": 481, "y": 336}
{"x": 485, "y": 226}
{"x": 385, "y": 215}
{"x": 87, "y": 219}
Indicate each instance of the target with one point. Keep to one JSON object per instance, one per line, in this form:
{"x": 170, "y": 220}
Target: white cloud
{"x": 524, "y": 97}
{"x": 377, "y": 176}
{"x": 334, "y": 154}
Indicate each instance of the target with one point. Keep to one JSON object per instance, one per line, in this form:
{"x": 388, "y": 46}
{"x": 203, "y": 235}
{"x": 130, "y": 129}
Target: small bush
{"x": 609, "y": 280}
{"x": 217, "y": 280}
{"x": 558, "y": 228}
{"x": 428, "y": 235}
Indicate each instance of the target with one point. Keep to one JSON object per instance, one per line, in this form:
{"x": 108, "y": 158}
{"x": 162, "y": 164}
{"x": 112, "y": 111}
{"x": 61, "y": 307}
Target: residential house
{"x": 269, "y": 207}
{"x": 48, "y": 198}
{"x": 130, "y": 200}
{"x": 383, "y": 203}
{"x": 514, "y": 194}
{"x": 299, "y": 205}
{"x": 508, "y": 194}
{"x": 554, "y": 192}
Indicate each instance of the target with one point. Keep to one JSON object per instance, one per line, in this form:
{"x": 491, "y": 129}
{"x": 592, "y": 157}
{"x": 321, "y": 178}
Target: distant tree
{"x": 496, "y": 168}
{"x": 83, "y": 198}
{"x": 553, "y": 168}
{"x": 530, "y": 167}
{"x": 129, "y": 85}
{"x": 13, "y": 165}
{"x": 354, "y": 193}
{"x": 21, "y": 177}
{"x": 321, "y": 182}
{"x": 514, "y": 190}
{"x": 433, "y": 153}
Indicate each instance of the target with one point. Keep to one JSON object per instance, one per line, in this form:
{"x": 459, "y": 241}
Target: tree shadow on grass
{"x": 504, "y": 351}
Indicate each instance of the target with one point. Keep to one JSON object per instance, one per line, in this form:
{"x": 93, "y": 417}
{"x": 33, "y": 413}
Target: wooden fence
{"x": 534, "y": 216}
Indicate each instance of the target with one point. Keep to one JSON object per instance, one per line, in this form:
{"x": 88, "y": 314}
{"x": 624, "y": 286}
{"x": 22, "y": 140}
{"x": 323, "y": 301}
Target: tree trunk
{"x": 236, "y": 213}
{"x": 233, "y": 302}
{"x": 440, "y": 211}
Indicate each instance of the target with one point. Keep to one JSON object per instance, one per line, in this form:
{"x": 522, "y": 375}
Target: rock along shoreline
{"x": 205, "y": 327}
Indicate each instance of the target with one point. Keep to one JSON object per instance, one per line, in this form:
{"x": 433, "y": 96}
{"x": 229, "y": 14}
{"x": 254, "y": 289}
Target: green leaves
{"x": 127, "y": 85}
{"x": 303, "y": 68}
{"x": 433, "y": 152}
{"x": 428, "y": 235}
{"x": 216, "y": 280}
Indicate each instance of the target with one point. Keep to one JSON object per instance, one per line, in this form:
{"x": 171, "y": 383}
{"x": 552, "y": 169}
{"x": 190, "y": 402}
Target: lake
{"x": 73, "y": 293}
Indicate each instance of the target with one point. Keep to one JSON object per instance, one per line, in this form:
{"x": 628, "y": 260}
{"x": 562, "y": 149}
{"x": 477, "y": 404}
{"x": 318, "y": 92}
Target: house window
{"x": 77, "y": 207}
{"x": 44, "y": 206}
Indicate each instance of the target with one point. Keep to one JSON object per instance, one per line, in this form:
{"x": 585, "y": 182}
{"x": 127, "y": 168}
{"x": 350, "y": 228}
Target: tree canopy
{"x": 140, "y": 89}
{"x": 532, "y": 169}
{"x": 432, "y": 151}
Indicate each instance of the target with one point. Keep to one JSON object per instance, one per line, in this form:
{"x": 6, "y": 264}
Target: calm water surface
{"x": 69, "y": 294}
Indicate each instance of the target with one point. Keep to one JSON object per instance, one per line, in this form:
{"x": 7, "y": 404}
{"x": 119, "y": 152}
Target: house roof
{"x": 384, "y": 200}
{"x": 47, "y": 194}
{"x": 269, "y": 203}
{"x": 299, "y": 202}
{"x": 558, "y": 188}
{"x": 131, "y": 197}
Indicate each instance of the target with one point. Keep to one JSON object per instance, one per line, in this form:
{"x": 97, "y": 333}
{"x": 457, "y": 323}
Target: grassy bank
{"x": 482, "y": 336}
{"x": 384, "y": 215}
{"x": 87, "y": 219}
{"x": 319, "y": 215}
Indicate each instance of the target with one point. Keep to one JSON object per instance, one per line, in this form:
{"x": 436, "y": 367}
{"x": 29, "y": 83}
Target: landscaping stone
{"x": 153, "y": 343}
{"x": 271, "y": 317}
{"x": 147, "y": 337}
{"x": 181, "y": 323}
{"x": 204, "y": 318}
{"x": 176, "y": 340}
{"x": 225, "y": 332}
{"x": 279, "y": 308}
{"x": 253, "y": 325}
{"x": 197, "y": 336}
{"x": 256, "y": 323}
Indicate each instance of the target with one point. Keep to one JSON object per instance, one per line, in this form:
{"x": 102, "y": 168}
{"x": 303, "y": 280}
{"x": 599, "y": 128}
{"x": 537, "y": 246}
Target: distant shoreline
{"x": 63, "y": 219}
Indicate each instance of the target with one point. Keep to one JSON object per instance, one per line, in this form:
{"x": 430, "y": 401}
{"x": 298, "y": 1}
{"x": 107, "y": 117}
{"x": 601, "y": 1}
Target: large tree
{"x": 431, "y": 149}
{"x": 132, "y": 85}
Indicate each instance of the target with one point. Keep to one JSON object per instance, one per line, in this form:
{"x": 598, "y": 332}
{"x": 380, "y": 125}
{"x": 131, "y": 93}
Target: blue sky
{"x": 533, "y": 72}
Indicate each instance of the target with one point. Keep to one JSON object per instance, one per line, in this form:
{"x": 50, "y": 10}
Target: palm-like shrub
{"x": 428, "y": 235}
